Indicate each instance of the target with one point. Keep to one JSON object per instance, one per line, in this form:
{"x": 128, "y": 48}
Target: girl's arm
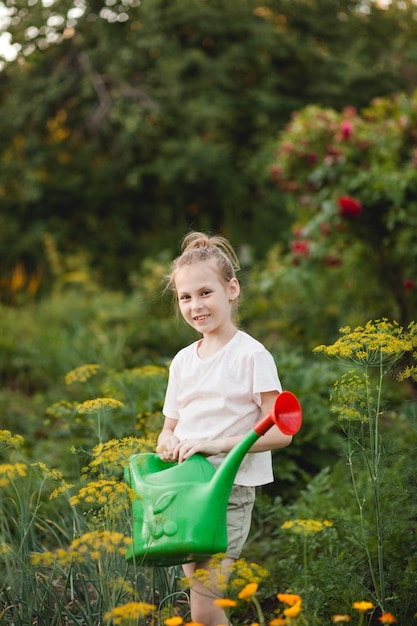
{"x": 271, "y": 440}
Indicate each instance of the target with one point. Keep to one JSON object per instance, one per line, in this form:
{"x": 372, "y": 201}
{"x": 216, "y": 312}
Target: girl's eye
{"x": 184, "y": 297}
{"x": 206, "y": 292}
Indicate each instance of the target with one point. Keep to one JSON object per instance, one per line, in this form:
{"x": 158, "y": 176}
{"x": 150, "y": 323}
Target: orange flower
{"x": 289, "y": 598}
{"x": 174, "y": 621}
{"x": 363, "y": 606}
{"x": 387, "y": 618}
{"x": 225, "y": 602}
{"x": 337, "y": 619}
{"x": 248, "y": 591}
{"x": 293, "y": 610}
{"x": 278, "y": 621}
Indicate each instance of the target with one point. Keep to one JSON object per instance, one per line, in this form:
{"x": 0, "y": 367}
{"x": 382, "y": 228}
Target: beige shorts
{"x": 239, "y": 517}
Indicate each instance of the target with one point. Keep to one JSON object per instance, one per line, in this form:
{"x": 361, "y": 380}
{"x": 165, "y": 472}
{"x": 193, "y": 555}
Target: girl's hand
{"x": 167, "y": 449}
{"x": 187, "y": 448}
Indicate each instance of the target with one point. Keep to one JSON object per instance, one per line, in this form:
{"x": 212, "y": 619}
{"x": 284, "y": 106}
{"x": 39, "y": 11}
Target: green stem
{"x": 375, "y": 483}
{"x": 99, "y": 426}
{"x": 259, "y": 613}
{"x": 360, "y": 507}
{"x": 305, "y": 561}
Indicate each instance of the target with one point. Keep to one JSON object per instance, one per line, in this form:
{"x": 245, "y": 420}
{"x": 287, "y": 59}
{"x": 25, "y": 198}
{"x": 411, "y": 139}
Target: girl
{"x": 218, "y": 388}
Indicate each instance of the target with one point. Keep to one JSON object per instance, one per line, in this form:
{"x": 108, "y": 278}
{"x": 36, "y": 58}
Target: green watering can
{"x": 179, "y": 515}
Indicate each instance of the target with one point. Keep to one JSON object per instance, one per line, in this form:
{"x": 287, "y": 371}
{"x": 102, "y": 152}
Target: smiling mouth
{"x": 200, "y": 318}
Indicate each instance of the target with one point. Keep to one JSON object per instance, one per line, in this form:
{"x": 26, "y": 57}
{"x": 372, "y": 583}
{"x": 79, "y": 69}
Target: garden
{"x": 317, "y": 191}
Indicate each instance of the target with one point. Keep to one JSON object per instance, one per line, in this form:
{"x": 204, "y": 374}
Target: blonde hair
{"x": 198, "y": 247}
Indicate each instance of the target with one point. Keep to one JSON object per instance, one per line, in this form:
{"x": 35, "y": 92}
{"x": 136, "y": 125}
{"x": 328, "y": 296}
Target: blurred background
{"x": 288, "y": 126}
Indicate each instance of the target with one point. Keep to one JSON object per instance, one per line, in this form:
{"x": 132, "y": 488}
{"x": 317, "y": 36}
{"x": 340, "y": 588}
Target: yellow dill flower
{"x": 82, "y": 373}
{"x": 62, "y": 410}
{"x": 48, "y": 472}
{"x": 129, "y": 612}
{"x": 242, "y": 573}
{"x": 114, "y": 454}
{"x": 60, "y": 490}
{"x": 93, "y": 406}
{"x": 293, "y": 610}
{"x": 306, "y": 525}
{"x": 104, "y": 540}
{"x": 41, "y": 558}
{"x": 225, "y": 602}
{"x": 93, "y": 545}
{"x": 339, "y": 619}
{"x": 378, "y": 343}
{"x": 363, "y": 606}
{"x": 248, "y": 591}
{"x": 9, "y": 472}
{"x": 9, "y": 440}
{"x": 289, "y": 598}
{"x": 5, "y": 549}
{"x": 111, "y": 493}
{"x": 387, "y": 618}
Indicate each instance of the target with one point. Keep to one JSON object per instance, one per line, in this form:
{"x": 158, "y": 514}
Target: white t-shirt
{"x": 220, "y": 396}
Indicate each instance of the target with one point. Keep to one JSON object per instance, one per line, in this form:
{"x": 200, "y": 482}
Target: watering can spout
{"x": 179, "y": 514}
{"x": 286, "y": 415}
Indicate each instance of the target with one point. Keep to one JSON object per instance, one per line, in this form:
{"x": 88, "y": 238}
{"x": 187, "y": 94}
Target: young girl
{"x": 218, "y": 388}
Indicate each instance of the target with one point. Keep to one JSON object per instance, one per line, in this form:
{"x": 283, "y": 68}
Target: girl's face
{"x": 205, "y": 300}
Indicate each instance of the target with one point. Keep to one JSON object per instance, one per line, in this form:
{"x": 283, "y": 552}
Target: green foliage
{"x": 352, "y": 179}
{"x": 95, "y": 364}
{"x": 343, "y": 529}
{"x": 127, "y": 124}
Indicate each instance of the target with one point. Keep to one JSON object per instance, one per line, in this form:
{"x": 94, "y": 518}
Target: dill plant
{"x": 372, "y": 351}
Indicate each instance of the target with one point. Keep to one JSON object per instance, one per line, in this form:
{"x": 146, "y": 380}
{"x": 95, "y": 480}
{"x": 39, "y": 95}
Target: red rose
{"x": 300, "y": 248}
{"x": 349, "y": 207}
{"x": 346, "y": 129}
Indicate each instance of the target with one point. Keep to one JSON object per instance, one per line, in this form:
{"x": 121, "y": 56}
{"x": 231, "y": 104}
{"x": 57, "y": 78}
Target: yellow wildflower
{"x": 248, "y": 591}
{"x": 130, "y": 611}
{"x": 225, "y": 602}
{"x": 293, "y": 610}
{"x": 387, "y": 618}
{"x": 363, "y": 606}
{"x": 278, "y": 621}
{"x": 174, "y": 621}
{"x": 289, "y": 598}
{"x": 338, "y": 619}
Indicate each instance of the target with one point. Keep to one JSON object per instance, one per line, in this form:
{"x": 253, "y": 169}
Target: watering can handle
{"x": 286, "y": 414}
